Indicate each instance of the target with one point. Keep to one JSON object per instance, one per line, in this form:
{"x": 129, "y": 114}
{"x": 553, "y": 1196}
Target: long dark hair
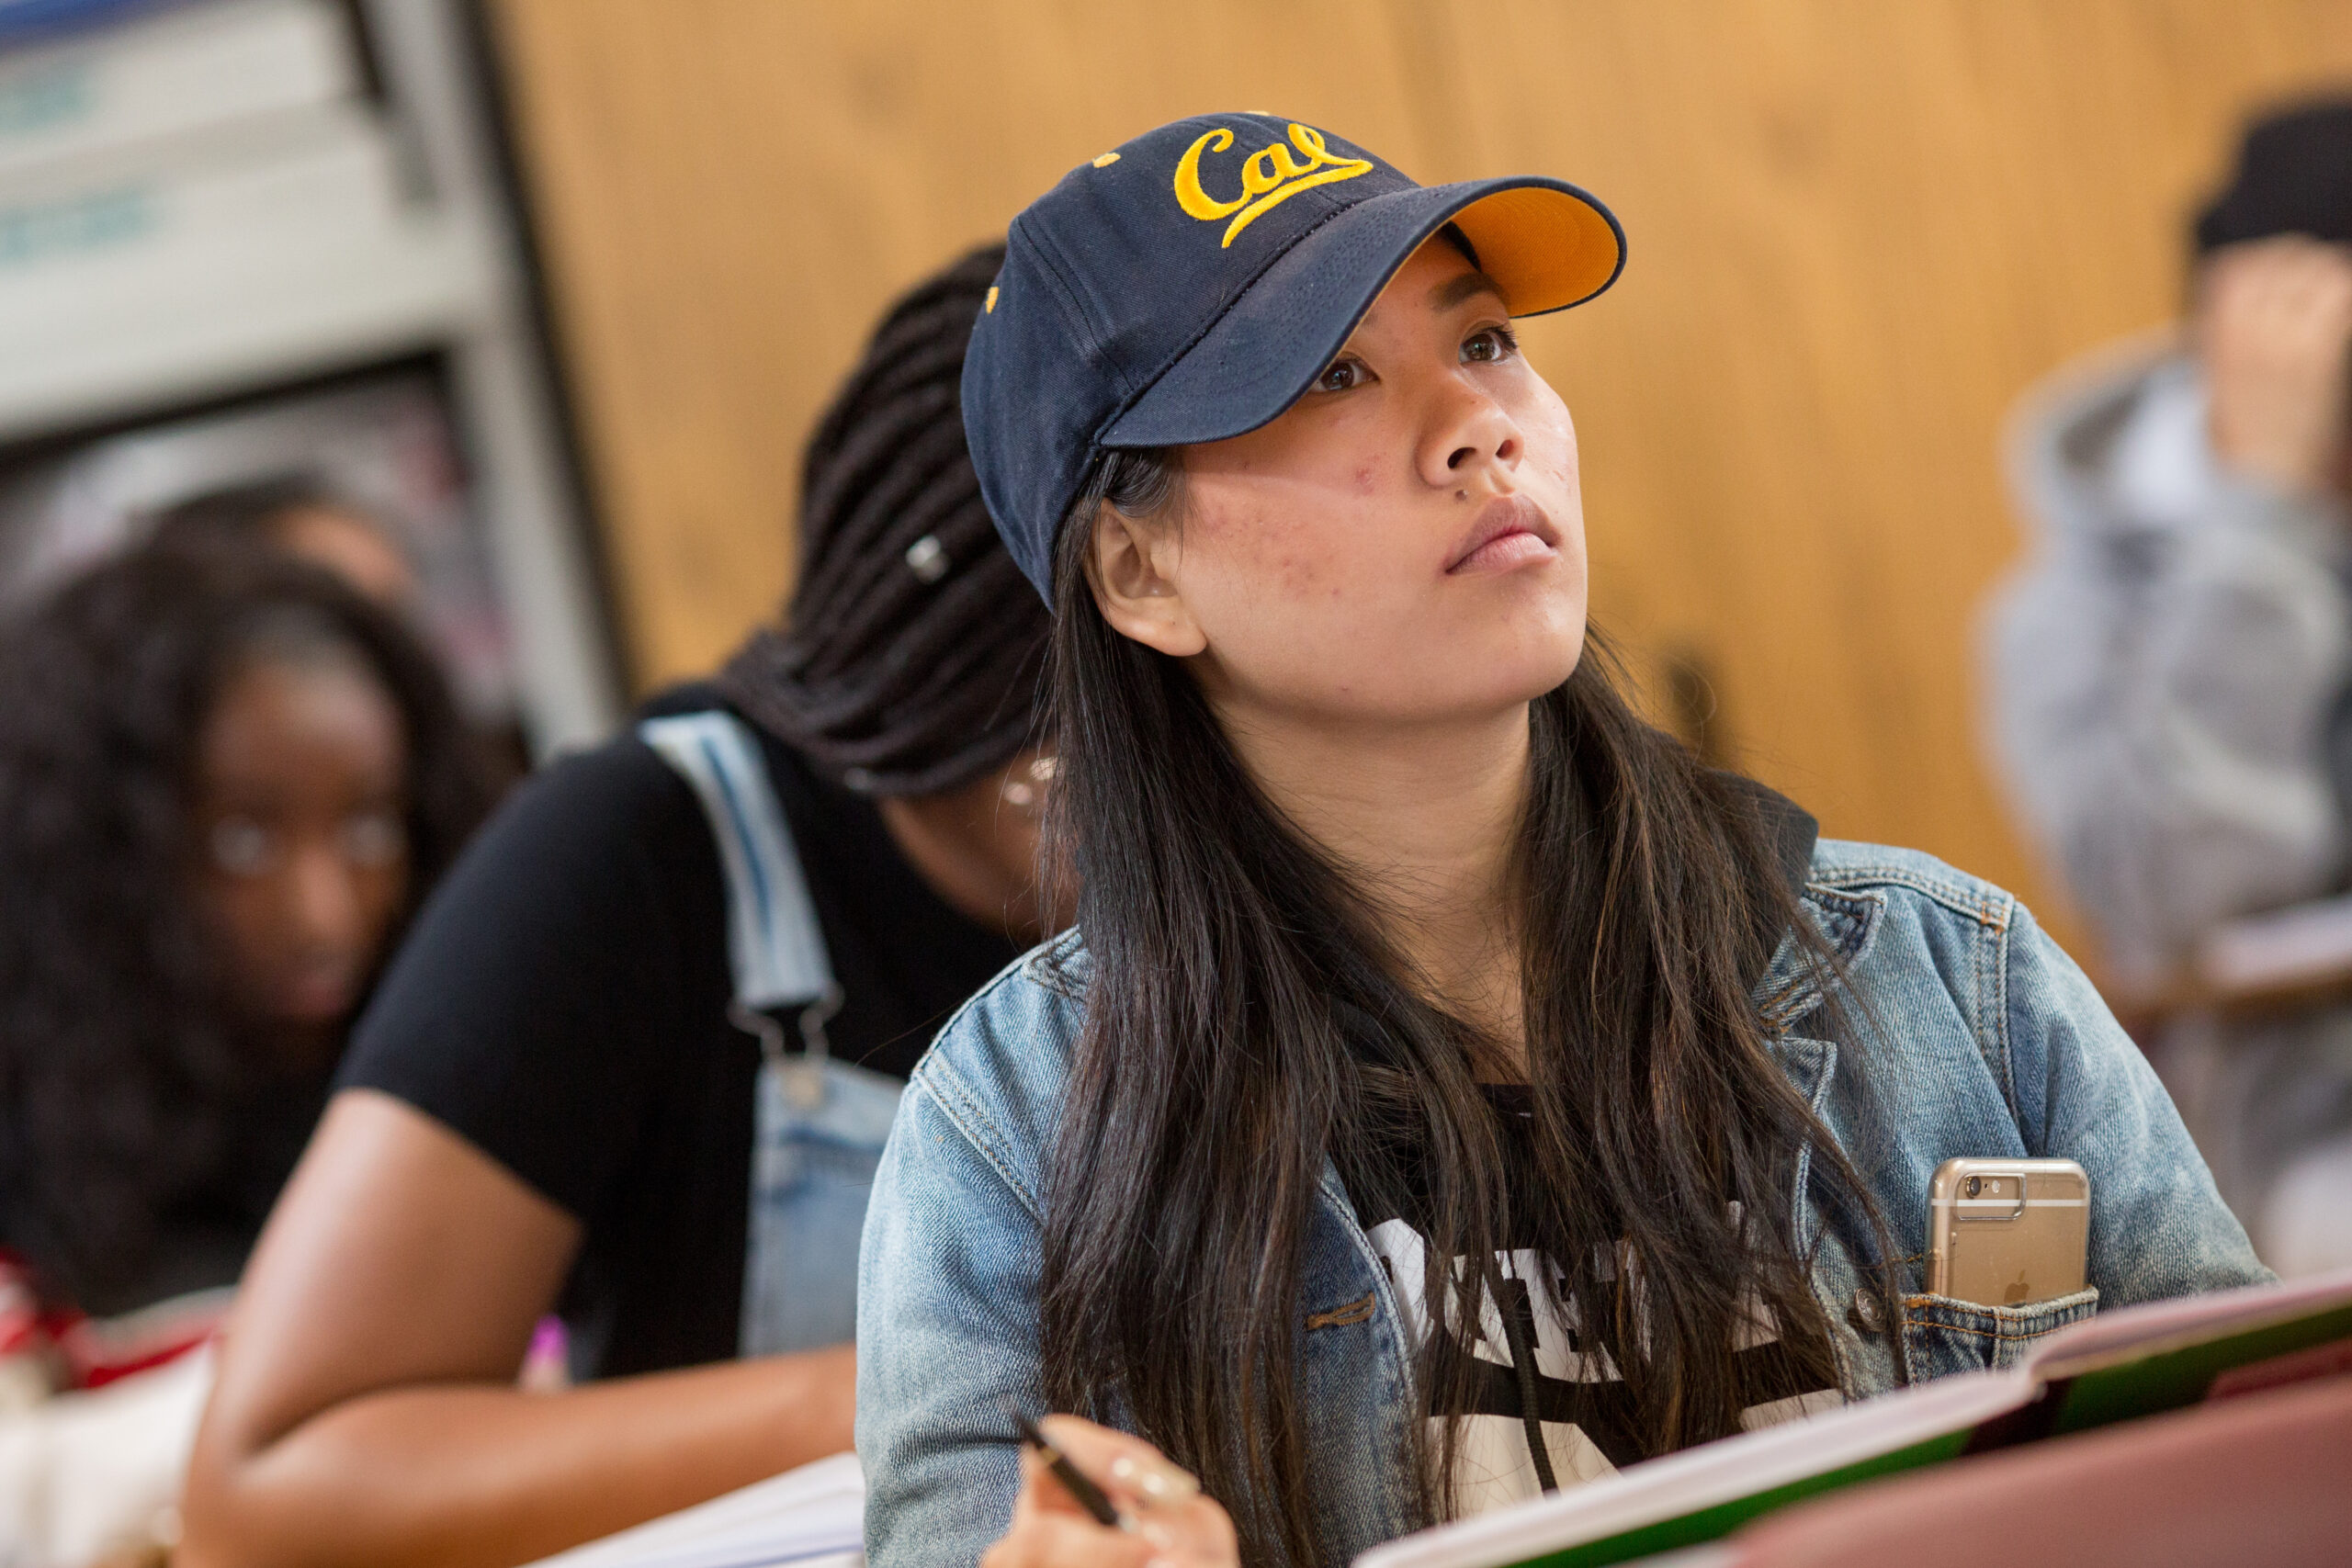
{"x": 124, "y": 1079}
{"x": 1214, "y": 1074}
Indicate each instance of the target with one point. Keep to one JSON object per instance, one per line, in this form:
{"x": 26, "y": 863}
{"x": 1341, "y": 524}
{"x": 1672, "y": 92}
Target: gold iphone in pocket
{"x": 2008, "y": 1232}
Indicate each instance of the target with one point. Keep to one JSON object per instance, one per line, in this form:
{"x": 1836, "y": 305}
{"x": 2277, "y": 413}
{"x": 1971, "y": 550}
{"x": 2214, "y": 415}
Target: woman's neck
{"x": 1424, "y": 820}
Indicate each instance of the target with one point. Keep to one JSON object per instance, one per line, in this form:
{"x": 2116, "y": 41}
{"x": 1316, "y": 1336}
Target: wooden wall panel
{"x": 1858, "y": 232}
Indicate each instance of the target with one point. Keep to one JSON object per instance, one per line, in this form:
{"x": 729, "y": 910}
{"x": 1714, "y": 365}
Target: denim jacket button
{"x": 1865, "y": 1313}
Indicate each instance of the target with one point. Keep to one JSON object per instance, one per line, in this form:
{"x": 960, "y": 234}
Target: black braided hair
{"x": 909, "y": 658}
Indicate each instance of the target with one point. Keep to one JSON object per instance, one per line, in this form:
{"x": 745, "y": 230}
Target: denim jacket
{"x": 1975, "y": 1035}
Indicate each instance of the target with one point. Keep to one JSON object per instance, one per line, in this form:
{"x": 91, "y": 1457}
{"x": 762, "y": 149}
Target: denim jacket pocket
{"x": 1941, "y": 1335}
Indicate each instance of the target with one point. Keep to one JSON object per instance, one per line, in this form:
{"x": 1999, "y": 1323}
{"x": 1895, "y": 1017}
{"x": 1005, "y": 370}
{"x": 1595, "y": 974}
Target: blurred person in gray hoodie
{"x": 2171, "y": 670}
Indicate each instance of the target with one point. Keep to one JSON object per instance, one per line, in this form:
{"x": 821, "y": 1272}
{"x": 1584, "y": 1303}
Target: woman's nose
{"x": 1467, "y": 430}
{"x": 322, "y": 904}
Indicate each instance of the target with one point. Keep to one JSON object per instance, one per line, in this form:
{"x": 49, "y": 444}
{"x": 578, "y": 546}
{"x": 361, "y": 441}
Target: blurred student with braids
{"x": 555, "y": 1102}
{"x": 226, "y": 780}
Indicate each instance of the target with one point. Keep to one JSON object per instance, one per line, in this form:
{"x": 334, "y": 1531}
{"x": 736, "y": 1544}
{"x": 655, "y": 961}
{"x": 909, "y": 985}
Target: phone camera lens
{"x": 1976, "y": 1185}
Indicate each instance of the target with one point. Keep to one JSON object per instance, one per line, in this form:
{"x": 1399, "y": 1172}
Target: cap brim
{"x": 1546, "y": 245}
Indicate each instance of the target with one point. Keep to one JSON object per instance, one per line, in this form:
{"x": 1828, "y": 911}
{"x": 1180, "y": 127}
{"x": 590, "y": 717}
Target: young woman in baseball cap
{"x": 1451, "y": 1089}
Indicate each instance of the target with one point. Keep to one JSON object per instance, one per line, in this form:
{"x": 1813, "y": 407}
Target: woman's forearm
{"x": 460, "y": 1475}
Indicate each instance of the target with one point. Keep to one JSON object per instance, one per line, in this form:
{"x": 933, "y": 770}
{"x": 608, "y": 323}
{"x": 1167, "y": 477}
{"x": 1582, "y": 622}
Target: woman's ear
{"x": 1132, "y": 568}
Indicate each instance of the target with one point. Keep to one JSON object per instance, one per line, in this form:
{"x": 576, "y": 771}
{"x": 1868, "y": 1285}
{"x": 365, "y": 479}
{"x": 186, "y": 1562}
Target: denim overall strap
{"x": 818, "y": 1125}
{"x": 774, "y": 943}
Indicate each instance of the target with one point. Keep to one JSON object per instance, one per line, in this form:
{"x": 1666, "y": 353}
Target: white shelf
{"x": 169, "y": 75}
{"x": 129, "y": 287}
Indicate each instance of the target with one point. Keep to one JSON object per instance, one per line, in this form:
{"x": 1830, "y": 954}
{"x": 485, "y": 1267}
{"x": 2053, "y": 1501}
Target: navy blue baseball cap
{"x": 1192, "y": 283}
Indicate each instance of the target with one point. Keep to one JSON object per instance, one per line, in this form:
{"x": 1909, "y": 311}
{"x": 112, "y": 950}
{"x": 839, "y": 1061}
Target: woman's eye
{"x": 241, "y": 847}
{"x": 1343, "y": 376}
{"x": 1490, "y": 346}
{"x": 374, "y": 839}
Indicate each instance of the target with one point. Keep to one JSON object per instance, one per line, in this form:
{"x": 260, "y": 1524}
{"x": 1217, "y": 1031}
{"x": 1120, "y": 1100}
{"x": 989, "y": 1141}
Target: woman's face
{"x": 1406, "y": 543}
{"x": 302, "y": 834}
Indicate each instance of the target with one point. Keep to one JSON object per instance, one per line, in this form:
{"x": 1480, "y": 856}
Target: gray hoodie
{"x": 2166, "y": 669}
{"x": 2165, "y": 665}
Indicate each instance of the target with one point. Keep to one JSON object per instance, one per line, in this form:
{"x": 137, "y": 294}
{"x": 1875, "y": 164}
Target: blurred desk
{"x": 2285, "y": 961}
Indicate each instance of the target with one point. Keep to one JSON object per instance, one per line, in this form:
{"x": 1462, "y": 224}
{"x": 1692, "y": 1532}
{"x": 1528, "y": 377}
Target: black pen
{"x": 1074, "y": 1480}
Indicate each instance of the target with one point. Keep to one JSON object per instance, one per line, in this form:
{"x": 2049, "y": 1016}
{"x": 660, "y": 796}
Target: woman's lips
{"x": 318, "y": 991}
{"x": 1510, "y": 532}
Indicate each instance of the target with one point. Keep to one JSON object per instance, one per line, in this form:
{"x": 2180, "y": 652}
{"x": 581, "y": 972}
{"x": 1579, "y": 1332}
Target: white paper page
{"x": 811, "y": 1517}
{"x": 1710, "y": 1474}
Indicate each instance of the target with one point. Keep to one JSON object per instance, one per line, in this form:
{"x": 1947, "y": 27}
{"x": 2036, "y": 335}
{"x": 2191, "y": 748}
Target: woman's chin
{"x": 1533, "y": 656}
{"x": 315, "y": 1004}
{"x": 1496, "y": 694}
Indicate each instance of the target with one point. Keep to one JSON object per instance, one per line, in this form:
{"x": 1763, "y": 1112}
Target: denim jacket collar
{"x": 1793, "y": 984}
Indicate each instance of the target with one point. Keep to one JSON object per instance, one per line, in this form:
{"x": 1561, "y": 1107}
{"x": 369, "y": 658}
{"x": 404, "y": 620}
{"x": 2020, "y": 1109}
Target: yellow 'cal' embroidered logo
{"x": 1268, "y": 176}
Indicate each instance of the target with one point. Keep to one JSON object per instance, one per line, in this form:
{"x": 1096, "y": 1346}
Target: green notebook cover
{"x": 2154, "y": 1379}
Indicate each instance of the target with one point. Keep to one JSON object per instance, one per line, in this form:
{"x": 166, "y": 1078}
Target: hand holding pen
{"x": 1122, "y": 1506}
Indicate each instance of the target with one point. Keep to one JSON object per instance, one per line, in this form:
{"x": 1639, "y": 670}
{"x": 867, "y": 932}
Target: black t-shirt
{"x": 562, "y": 1004}
{"x": 1574, "y": 1384}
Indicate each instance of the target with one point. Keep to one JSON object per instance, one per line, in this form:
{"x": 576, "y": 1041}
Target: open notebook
{"x": 811, "y": 1517}
{"x": 2134, "y": 1362}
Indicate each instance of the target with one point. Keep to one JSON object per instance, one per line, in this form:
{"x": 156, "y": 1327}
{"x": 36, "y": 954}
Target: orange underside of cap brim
{"x": 1544, "y": 248}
